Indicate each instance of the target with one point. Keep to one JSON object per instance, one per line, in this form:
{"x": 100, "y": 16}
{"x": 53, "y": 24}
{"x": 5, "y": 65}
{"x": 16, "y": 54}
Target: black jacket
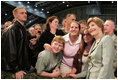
{"x": 47, "y": 37}
{"x": 14, "y": 48}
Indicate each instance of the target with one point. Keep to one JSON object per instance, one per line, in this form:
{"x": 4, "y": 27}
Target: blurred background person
{"x": 69, "y": 19}
{"x": 38, "y": 29}
{"x": 32, "y": 37}
{"x": 32, "y": 31}
{"x": 109, "y": 27}
{"x": 63, "y": 24}
{"x": 83, "y": 26}
{"x": 6, "y": 24}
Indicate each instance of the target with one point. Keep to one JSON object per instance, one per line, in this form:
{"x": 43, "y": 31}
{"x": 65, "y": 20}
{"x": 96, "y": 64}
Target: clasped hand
{"x": 56, "y": 72}
{"x": 20, "y": 74}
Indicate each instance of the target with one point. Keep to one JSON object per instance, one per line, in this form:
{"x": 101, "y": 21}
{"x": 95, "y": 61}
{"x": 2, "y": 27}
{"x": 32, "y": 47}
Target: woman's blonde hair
{"x": 97, "y": 21}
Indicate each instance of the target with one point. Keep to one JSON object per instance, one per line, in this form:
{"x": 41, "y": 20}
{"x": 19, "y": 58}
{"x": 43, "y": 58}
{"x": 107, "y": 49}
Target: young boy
{"x": 48, "y": 62}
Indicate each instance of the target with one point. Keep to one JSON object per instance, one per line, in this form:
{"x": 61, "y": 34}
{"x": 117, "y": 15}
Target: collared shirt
{"x": 70, "y": 50}
{"x": 46, "y": 61}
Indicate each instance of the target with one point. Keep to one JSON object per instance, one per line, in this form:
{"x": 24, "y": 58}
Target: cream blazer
{"x": 100, "y": 60}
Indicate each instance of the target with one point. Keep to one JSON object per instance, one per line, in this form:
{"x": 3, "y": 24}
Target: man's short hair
{"x": 15, "y": 10}
{"x": 37, "y": 25}
{"x": 82, "y": 22}
{"x": 111, "y": 21}
{"x": 68, "y": 15}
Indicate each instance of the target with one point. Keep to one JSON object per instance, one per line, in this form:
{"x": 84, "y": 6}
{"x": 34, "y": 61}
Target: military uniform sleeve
{"x": 115, "y": 52}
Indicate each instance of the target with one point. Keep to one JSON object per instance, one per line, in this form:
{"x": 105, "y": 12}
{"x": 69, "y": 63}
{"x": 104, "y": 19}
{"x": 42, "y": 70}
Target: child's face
{"x": 56, "y": 47}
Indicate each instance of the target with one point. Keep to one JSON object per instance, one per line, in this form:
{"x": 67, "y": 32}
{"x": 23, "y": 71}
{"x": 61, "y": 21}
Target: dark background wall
{"x": 84, "y": 12}
{"x": 39, "y": 11}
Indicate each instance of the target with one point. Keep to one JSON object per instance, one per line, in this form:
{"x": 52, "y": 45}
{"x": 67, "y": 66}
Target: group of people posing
{"x": 85, "y": 50}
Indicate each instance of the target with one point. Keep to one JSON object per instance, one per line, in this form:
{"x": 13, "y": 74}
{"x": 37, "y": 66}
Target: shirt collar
{"x": 66, "y": 37}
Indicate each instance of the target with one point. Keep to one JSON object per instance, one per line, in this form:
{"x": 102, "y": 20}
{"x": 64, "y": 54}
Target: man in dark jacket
{"x": 14, "y": 45}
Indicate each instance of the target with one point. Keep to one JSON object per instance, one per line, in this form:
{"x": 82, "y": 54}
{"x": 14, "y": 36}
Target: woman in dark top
{"x": 51, "y": 30}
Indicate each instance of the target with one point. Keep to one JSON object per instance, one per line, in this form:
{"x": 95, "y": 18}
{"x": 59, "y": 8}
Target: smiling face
{"x": 74, "y": 29}
{"x": 94, "y": 29}
{"x": 56, "y": 47}
{"x": 87, "y": 37}
{"x": 54, "y": 24}
{"x": 38, "y": 28}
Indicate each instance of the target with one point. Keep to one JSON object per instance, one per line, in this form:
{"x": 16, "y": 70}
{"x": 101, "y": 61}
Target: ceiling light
{"x": 88, "y": 1}
{"x": 112, "y": 2}
{"x": 19, "y": 2}
{"x": 30, "y": 21}
{"x": 6, "y": 14}
{"x": 21, "y": 5}
{"x": 42, "y": 9}
{"x": 47, "y": 11}
{"x": 67, "y": 5}
{"x": 28, "y": 6}
{"x": 35, "y": 9}
{"x": 28, "y": 2}
{"x": 63, "y": 2}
